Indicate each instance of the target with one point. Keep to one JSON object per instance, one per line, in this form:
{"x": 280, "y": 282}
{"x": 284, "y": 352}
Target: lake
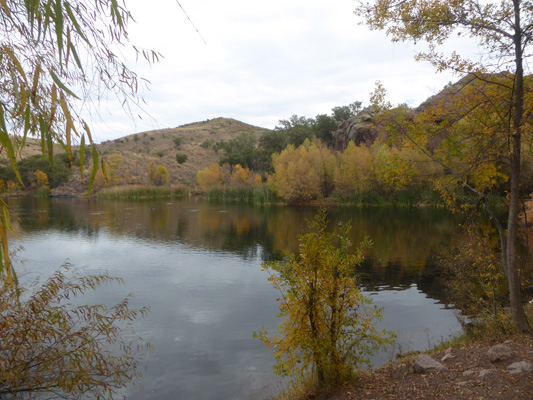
{"x": 197, "y": 266}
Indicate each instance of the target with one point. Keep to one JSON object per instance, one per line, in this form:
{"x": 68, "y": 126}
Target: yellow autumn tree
{"x": 41, "y": 179}
{"x": 497, "y": 90}
{"x": 240, "y": 176}
{"x": 355, "y": 169}
{"x": 326, "y": 164}
{"x": 114, "y": 164}
{"x": 328, "y": 325}
{"x": 295, "y": 177}
{"x": 210, "y": 176}
{"x": 158, "y": 175}
{"x": 389, "y": 168}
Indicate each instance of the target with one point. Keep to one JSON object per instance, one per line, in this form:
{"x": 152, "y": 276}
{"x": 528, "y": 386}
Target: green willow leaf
{"x": 68, "y": 9}
{"x": 76, "y": 58}
{"x": 62, "y": 86}
{"x": 82, "y": 156}
{"x": 94, "y": 170}
{"x": 5, "y": 140}
{"x": 59, "y": 27}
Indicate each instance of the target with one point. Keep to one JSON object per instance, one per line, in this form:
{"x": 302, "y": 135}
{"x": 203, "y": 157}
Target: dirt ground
{"x": 398, "y": 381}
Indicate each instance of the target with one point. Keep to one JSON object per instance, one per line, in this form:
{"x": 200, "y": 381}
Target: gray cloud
{"x": 263, "y": 62}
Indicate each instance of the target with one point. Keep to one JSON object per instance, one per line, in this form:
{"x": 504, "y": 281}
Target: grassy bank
{"x": 140, "y": 192}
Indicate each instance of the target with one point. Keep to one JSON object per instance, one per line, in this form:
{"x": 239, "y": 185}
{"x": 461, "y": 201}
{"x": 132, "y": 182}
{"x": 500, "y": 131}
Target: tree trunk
{"x": 517, "y": 310}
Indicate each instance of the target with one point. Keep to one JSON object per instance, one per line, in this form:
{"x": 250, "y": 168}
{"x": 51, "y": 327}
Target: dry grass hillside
{"x": 129, "y": 156}
{"x": 30, "y": 148}
{"x": 194, "y": 140}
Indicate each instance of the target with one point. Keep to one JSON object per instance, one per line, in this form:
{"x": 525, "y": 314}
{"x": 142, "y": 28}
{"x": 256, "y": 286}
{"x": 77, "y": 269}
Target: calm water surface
{"x": 198, "y": 267}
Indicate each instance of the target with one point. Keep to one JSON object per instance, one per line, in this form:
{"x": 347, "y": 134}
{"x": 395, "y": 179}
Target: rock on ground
{"x": 425, "y": 364}
{"x": 500, "y": 352}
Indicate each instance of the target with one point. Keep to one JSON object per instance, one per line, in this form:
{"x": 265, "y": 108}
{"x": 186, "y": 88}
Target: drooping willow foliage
{"x": 58, "y": 59}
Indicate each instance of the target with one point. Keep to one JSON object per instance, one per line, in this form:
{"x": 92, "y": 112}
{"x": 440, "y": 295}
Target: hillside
{"x": 128, "y": 156}
{"x": 195, "y": 140}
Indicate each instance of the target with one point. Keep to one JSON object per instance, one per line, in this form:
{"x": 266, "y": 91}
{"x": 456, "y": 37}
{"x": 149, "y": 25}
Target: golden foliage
{"x": 240, "y": 176}
{"x": 296, "y": 176}
{"x": 210, "y": 176}
{"x": 326, "y": 164}
{"x": 328, "y": 324}
{"x": 216, "y": 175}
{"x": 48, "y": 345}
{"x": 158, "y": 175}
{"x": 41, "y": 179}
{"x": 114, "y": 163}
{"x": 355, "y": 169}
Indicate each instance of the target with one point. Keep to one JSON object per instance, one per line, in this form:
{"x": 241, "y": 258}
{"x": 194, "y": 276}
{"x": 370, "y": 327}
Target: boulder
{"x": 448, "y": 355}
{"x": 500, "y": 352}
{"x": 520, "y": 367}
{"x": 359, "y": 129}
{"x": 486, "y": 372}
{"x": 425, "y": 364}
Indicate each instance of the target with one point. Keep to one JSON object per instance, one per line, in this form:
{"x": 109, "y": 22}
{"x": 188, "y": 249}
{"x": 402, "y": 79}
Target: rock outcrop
{"x": 360, "y": 129}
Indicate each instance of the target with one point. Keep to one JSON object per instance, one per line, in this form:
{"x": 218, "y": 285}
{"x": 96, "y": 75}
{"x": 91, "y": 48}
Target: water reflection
{"x": 197, "y": 266}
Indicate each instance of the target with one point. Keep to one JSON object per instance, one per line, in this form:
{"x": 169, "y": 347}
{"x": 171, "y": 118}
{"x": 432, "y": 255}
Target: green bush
{"x": 181, "y": 158}
{"x": 207, "y": 143}
{"x": 41, "y": 193}
{"x": 57, "y": 175}
{"x": 177, "y": 141}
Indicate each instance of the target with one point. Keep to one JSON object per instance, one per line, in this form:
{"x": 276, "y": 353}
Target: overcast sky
{"x": 262, "y": 61}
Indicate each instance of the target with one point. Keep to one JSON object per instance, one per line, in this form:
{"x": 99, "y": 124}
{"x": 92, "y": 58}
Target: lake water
{"x": 198, "y": 267}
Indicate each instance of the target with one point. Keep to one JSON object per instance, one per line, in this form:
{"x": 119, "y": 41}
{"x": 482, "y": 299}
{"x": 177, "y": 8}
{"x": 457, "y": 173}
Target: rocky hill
{"x": 368, "y": 125}
{"x": 128, "y": 156}
{"x": 194, "y": 141}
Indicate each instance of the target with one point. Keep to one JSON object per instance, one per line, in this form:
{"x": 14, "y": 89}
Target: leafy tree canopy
{"x": 240, "y": 150}
{"x": 58, "y": 58}
{"x": 503, "y": 31}
{"x": 328, "y": 325}
{"x": 343, "y": 113}
{"x": 297, "y": 129}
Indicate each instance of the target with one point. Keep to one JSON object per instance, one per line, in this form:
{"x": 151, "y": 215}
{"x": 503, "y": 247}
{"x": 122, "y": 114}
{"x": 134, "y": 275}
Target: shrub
{"x": 177, "y": 141}
{"x": 328, "y": 324}
{"x": 158, "y": 175}
{"x": 207, "y": 143}
{"x": 50, "y": 347}
{"x": 181, "y": 158}
{"x": 57, "y": 175}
